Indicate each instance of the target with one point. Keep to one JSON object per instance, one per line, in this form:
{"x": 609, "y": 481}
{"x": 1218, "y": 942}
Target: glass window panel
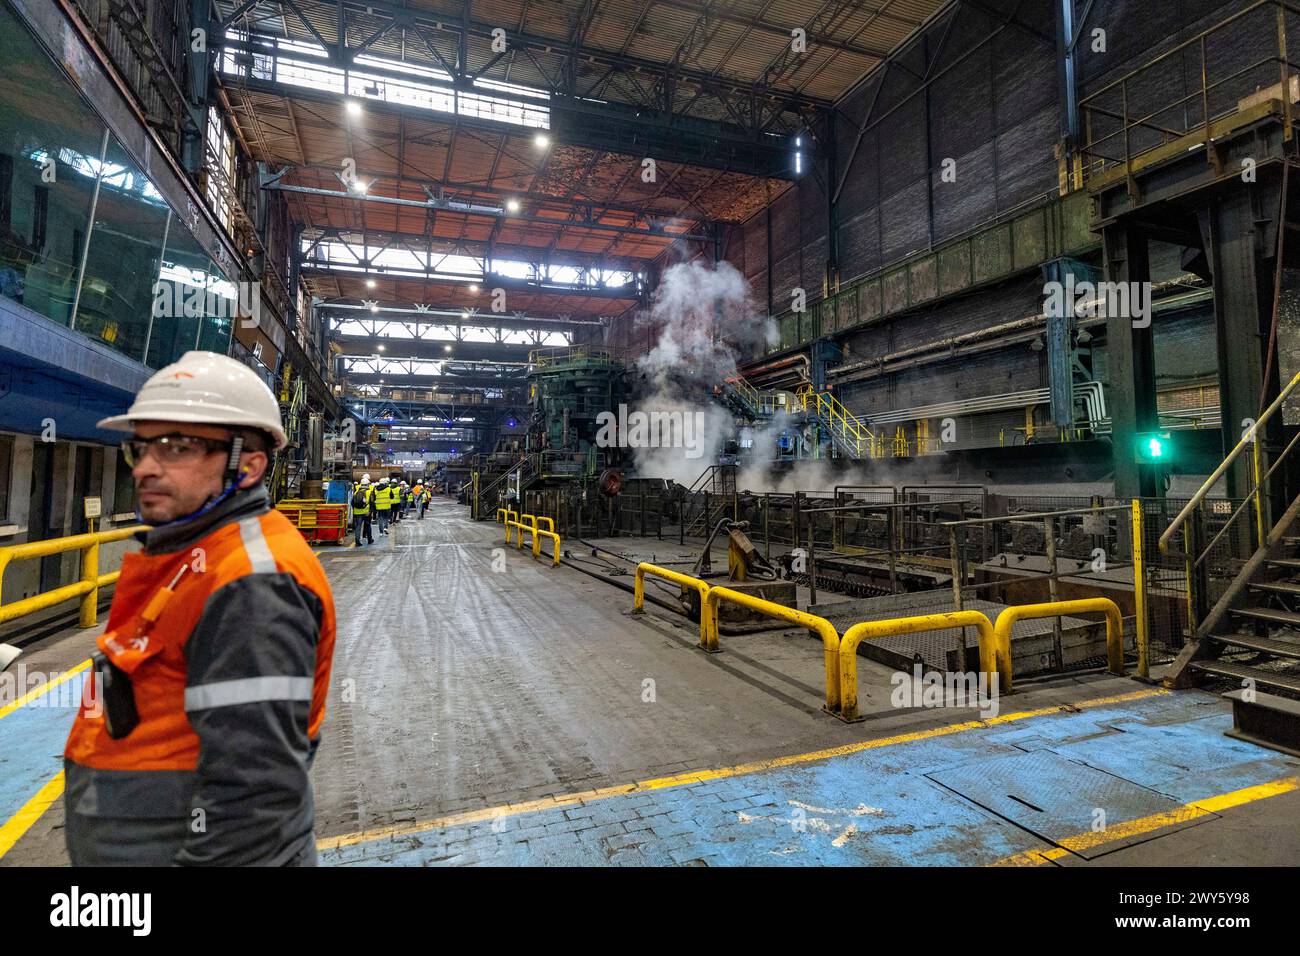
{"x": 132, "y": 221}
{"x": 50, "y": 142}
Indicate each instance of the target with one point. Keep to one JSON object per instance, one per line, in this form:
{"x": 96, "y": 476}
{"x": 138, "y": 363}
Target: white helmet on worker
{"x": 204, "y": 388}
{"x": 365, "y": 479}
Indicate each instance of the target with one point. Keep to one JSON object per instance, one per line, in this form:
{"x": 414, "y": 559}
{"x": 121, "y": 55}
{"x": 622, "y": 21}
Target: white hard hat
{"x": 366, "y": 478}
{"x": 204, "y": 388}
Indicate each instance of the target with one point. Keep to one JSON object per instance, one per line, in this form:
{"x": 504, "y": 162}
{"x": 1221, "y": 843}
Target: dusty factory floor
{"x": 488, "y": 708}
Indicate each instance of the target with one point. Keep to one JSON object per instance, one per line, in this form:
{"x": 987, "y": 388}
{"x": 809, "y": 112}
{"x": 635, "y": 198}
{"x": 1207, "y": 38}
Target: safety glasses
{"x": 171, "y": 449}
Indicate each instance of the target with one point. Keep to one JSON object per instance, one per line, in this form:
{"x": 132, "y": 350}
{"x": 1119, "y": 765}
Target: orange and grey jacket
{"x": 230, "y": 676}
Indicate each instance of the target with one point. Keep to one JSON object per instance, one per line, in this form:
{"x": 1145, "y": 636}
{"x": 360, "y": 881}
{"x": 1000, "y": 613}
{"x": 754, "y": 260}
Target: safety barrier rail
{"x": 87, "y": 588}
{"x": 511, "y": 516}
{"x": 818, "y": 625}
{"x": 1025, "y": 612}
{"x": 995, "y": 657}
{"x": 536, "y": 533}
{"x": 638, "y": 592}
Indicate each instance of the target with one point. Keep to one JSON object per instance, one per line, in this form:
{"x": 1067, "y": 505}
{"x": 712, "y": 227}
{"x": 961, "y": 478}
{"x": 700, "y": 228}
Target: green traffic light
{"x": 1153, "y": 447}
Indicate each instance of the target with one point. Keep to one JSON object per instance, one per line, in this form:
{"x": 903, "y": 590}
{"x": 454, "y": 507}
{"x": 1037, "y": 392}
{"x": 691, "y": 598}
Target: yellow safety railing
{"x": 512, "y": 517}
{"x": 502, "y": 513}
{"x": 818, "y": 625}
{"x": 638, "y": 592}
{"x": 842, "y": 422}
{"x": 537, "y": 534}
{"x": 87, "y": 589}
{"x": 555, "y": 542}
{"x": 995, "y": 657}
{"x": 1024, "y": 612}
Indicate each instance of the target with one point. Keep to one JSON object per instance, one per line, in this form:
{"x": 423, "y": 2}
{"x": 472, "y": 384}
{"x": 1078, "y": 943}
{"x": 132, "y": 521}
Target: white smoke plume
{"x": 704, "y": 316}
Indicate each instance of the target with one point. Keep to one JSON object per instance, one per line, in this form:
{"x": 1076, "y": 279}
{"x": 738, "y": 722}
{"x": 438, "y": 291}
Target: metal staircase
{"x": 849, "y": 433}
{"x": 1251, "y": 634}
{"x": 719, "y": 481}
{"x": 749, "y": 401}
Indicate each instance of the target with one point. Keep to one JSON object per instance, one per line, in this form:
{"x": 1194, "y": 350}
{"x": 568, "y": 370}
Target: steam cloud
{"x": 694, "y": 305}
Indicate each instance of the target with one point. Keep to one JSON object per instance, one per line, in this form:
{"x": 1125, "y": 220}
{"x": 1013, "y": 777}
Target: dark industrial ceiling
{"x": 714, "y": 91}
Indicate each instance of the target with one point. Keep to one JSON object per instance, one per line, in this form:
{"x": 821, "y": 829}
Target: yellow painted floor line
{"x": 1130, "y": 828}
{"x": 31, "y": 811}
{"x": 684, "y": 779}
{"x": 45, "y": 688}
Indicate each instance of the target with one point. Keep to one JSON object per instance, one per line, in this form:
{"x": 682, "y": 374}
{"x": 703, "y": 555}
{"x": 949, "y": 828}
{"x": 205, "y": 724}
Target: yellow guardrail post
{"x": 1140, "y": 593}
{"x": 1024, "y": 612}
{"x": 638, "y": 593}
{"x": 90, "y": 577}
{"x": 86, "y": 588}
{"x": 555, "y": 541}
{"x": 519, "y": 538}
{"x": 550, "y": 524}
{"x": 818, "y": 625}
{"x": 994, "y": 659}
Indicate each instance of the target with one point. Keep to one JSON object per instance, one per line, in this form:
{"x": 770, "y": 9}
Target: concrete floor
{"x": 488, "y": 708}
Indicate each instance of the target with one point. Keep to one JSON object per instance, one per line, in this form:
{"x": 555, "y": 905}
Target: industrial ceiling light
{"x": 512, "y": 205}
{"x": 374, "y": 308}
{"x": 446, "y": 348}
{"x": 381, "y": 348}
{"x": 541, "y": 141}
{"x": 473, "y": 287}
{"x": 370, "y": 283}
{"x": 353, "y": 108}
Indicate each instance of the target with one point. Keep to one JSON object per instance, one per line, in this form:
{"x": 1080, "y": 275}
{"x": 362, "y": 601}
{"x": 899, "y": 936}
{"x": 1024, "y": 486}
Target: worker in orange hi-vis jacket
{"x": 209, "y": 683}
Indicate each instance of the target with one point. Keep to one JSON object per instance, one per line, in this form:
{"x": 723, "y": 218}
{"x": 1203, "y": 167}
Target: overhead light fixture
{"x": 381, "y": 348}
{"x": 370, "y": 283}
{"x": 473, "y": 287}
{"x": 357, "y": 186}
{"x": 541, "y": 141}
{"x": 353, "y": 108}
{"x": 512, "y": 205}
{"x": 446, "y": 348}
{"x": 374, "y": 308}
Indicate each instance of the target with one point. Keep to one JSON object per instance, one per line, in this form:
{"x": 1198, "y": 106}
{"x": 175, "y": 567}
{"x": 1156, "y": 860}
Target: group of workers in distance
{"x": 384, "y": 502}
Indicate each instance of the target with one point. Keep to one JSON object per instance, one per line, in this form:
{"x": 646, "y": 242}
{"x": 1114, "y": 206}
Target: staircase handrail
{"x": 1247, "y": 440}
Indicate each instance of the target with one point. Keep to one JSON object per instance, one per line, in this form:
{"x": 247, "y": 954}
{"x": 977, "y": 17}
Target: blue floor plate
{"x": 1055, "y": 798}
